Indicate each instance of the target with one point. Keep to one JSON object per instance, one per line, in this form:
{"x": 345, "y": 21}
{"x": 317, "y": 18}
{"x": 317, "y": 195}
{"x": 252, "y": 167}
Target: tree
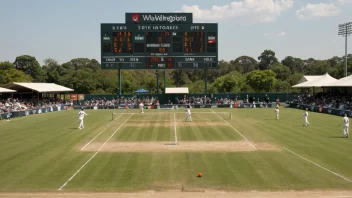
{"x": 295, "y": 64}
{"x": 6, "y": 65}
{"x": 335, "y": 61}
{"x": 180, "y": 78}
{"x": 245, "y": 64}
{"x": 282, "y": 72}
{"x": 30, "y": 66}
{"x": 261, "y": 80}
{"x": 267, "y": 58}
{"x": 231, "y": 82}
{"x": 197, "y": 87}
{"x": 52, "y": 70}
{"x": 294, "y": 78}
{"x": 9, "y": 74}
{"x": 320, "y": 67}
{"x": 282, "y": 86}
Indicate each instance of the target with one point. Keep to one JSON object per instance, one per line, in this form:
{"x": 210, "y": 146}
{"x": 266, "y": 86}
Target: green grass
{"x": 41, "y": 152}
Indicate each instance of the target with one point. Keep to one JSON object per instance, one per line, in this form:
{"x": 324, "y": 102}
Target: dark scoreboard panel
{"x": 159, "y": 46}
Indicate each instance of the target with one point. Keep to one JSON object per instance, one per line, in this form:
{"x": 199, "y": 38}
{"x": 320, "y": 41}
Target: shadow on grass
{"x": 336, "y": 137}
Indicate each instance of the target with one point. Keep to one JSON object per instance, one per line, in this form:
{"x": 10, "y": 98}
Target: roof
{"x": 177, "y": 90}
{"x": 4, "y": 90}
{"x": 308, "y": 78}
{"x": 317, "y": 82}
{"x": 343, "y": 82}
{"x": 39, "y": 87}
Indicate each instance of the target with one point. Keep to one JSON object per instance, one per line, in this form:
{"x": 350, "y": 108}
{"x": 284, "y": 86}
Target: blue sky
{"x": 68, "y": 29}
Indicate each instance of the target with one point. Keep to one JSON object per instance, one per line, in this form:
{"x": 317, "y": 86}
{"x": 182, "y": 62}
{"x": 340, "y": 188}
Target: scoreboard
{"x": 172, "y": 43}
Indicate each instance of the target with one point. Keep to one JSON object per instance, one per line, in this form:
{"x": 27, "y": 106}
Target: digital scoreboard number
{"x": 150, "y": 45}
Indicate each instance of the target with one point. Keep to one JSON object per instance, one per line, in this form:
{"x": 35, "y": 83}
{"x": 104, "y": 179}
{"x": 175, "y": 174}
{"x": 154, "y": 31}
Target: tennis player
{"x": 81, "y": 115}
{"x": 188, "y": 113}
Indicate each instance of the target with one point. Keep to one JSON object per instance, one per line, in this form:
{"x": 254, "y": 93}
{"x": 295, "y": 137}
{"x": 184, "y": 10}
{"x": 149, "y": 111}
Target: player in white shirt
{"x": 305, "y": 118}
{"x": 81, "y": 115}
{"x": 277, "y": 111}
{"x": 346, "y": 125}
{"x": 141, "y": 105}
{"x": 188, "y": 113}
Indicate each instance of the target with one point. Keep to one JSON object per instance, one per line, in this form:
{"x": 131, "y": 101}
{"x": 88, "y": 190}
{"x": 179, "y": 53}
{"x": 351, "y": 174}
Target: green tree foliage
{"x": 267, "y": 58}
{"x": 295, "y": 64}
{"x": 197, "y": 87}
{"x": 294, "y": 78}
{"x": 282, "y": 86}
{"x": 245, "y": 64}
{"x": 231, "y": 82}
{"x": 30, "y": 66}
{"x": 239, "y": 75}
{"x": 52, "y": 70}
{"x": 9, "y": 74}
{"x": 282, "y": 72}
{"x": 261, "y": 80}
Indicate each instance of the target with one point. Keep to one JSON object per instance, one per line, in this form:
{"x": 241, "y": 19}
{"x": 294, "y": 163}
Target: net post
{"x": 230, "y": 115}
{"x": 112, "y": 116}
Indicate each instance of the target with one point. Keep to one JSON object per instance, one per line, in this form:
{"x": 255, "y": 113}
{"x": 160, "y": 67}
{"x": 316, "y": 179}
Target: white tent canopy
{"x": 4, "y": 90}
{"x": 343, "y": 82}
{"x": 308, "y": 78}
{"x": 317, "y": 82}
{"x": 39, "y": 87}
{"x": 177, "y": 90}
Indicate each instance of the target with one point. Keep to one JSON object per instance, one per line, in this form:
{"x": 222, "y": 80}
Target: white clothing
{"x": 346, "y": 121}
{"x": 305, "y": 118}
{"x": 81, "y": 117}
{"x": 141, "y": 105}
{"x": 188, "y": 114}
{"x": 346, "y": 125}
{"x": 277, "y": 111}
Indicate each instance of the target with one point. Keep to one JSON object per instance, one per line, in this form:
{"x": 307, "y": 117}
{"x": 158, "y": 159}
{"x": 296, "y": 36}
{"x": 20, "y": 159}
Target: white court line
{"x": 235, "y": 129}
{"x": 93, "y": 155}
{"x": 318, "y": 165}
{"x": 99, "y": 133}
{"x": 175, "y": 127}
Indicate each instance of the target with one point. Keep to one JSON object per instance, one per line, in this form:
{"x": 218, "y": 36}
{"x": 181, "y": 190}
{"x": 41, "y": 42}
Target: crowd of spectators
{"x": 15, "y": 104}
{"x": 122, "y": 101}
{"x": 221, "y": 100}
{"x": 325, "y": 100}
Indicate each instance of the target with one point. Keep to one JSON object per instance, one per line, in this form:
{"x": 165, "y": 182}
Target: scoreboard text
{"x": 151, "y": 45}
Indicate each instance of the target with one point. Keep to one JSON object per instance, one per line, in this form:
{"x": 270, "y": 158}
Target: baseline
{"x": 93, "y": 155}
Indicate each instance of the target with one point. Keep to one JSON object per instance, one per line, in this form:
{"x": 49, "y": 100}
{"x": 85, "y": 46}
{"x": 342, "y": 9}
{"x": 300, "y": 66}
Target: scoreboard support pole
{"x": 119, "y": 73}
{"x": 205, "y": 81}
{"x": 164, "y": 80}
{"x": 157, "y": 81}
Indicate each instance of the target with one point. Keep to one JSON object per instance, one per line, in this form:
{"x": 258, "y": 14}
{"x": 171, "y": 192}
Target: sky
{"x": 68, "y": 29}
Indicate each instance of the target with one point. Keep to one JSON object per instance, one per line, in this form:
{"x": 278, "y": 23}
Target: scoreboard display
{"x": 158, "y": 44}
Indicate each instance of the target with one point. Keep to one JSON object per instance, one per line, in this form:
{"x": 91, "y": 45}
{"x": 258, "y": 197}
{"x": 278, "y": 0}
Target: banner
{"x": 28, "y": 112}
{"x": 73, "y": 96}
{"x": 80, "y": 96}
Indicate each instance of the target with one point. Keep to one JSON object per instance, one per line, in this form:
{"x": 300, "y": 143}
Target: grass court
{"x": 237, "y": 150}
